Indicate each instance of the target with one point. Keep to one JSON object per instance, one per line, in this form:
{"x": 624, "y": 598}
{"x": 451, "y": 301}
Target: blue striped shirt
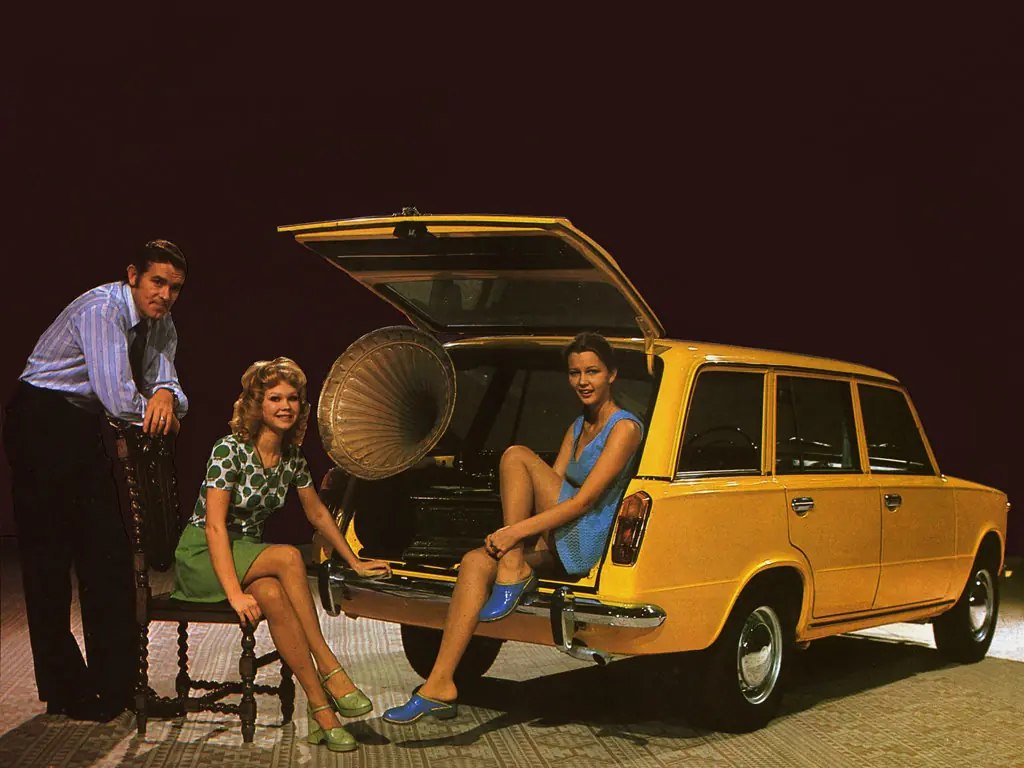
{"x": 84, "y": 354}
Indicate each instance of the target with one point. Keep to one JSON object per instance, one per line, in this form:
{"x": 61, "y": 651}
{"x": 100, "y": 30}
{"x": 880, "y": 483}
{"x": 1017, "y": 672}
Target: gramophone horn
{"x": 386, "y": 402}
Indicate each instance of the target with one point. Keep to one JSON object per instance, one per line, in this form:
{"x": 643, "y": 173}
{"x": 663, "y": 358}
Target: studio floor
{"x": 878, "y": 698}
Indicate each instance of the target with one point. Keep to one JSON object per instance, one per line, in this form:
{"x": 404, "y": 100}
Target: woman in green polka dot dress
{"x": 221, "y": 554}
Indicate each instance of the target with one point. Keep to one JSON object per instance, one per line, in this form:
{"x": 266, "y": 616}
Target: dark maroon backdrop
{"x": 840, "y": 192}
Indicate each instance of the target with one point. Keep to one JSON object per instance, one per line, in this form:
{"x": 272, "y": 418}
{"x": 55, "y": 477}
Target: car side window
{"x": 814, "y": 427}
{"x": 723, "y": 426}
{"x": 894, "y": 441}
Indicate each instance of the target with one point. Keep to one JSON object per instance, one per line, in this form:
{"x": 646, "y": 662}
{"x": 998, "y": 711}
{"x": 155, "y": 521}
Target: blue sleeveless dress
{"x": 581, "y": 542}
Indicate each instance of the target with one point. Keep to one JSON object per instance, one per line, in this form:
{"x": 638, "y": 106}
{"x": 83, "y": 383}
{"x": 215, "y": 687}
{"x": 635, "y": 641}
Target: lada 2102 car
{"x": 776, "y": 499}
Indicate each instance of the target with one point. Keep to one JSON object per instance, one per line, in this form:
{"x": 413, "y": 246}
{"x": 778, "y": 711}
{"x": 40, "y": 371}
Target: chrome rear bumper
{"x": 566, "y": 611}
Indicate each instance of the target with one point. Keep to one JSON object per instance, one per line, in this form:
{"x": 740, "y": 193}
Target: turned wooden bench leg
{"x": 247, "y": 669}
{"x": 286, "y": 692}
{"x": 182, "y": 681}
{"x": 142, "y": 682}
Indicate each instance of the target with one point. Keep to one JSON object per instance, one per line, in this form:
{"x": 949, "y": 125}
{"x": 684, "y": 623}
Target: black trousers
{"x": 67, "y": 511}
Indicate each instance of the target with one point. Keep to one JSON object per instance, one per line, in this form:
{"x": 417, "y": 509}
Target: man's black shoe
{"x": 102, "y": 713}
{"x": 88, "y": 708}
{"x": 56, "y": 708}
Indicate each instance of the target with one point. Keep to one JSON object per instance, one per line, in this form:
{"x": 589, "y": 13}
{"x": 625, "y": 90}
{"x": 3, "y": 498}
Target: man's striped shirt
{"x": 84, "y": 354}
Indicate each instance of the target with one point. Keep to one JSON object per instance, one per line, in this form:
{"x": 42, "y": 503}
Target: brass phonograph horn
{"x": 386, "y": 402}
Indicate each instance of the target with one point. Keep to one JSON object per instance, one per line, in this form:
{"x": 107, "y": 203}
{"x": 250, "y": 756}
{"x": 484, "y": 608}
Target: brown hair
{"x": 160, "y": 252}
{"x": 257, "y": 379}
{"x": 592, "y": 342}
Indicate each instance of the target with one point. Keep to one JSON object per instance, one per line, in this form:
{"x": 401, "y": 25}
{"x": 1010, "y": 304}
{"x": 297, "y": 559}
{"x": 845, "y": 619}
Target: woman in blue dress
{"x": 222, "y": 556}
{"x": 555, "y": 517}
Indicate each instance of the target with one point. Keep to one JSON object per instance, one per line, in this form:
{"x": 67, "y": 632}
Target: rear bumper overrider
{"x": 566, "y": 611}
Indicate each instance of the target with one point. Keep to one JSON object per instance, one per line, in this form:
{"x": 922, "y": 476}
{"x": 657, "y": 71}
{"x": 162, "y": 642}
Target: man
{"x": 110, "y": 351}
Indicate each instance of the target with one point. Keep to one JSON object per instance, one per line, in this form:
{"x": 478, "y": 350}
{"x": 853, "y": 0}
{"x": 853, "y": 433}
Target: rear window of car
{"x": 522, "y": 302}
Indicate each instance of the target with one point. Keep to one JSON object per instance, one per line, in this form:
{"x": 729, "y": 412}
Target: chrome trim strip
{"x": 331, "y": 583}
{"x": 879, "y": 614}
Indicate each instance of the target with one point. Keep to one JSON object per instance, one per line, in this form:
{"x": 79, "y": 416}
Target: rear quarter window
{"x": 894, "y": 441}
{"x": 723, "y": 424}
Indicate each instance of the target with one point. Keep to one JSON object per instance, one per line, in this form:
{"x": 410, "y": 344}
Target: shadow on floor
{"x": 643, "y": 697}
{"x": 58, "y": 740}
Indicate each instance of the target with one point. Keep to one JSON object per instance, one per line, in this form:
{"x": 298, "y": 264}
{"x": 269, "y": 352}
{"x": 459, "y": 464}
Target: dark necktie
{"x": 137, "y": 354}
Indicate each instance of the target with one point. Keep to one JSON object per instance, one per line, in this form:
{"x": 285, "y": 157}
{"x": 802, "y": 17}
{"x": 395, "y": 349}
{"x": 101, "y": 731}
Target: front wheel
{"x": 964, "y": 632}
{"x": 744, "y": 670}
{"x": 421, "y": 645}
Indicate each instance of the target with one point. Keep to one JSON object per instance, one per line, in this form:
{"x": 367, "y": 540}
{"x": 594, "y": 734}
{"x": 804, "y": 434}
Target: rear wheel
{"x": 744, "y": 670}
{"x": 964, "y": 633}
{"x": 421, "y": 645}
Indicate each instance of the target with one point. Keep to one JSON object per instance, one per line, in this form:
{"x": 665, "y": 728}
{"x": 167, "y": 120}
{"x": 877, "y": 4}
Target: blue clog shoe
{"x": 417, "y": 707}
{"x": 505, "y": 597}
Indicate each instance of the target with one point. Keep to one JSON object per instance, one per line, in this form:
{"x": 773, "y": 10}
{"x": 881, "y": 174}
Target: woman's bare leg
{"x": 476, "y": 576}
{"x": 283, "y": 562}
{"x": 528, "y": 484}
{"x": 290, "y": 641}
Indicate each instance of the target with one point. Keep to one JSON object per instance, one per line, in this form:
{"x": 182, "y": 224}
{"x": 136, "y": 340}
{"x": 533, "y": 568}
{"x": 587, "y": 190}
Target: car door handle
{"x": 802, "y": 505}
{"x": 893, "y": 501}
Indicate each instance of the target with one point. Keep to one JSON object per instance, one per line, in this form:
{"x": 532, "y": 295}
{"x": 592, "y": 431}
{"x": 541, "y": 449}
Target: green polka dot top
{"x": 256, "y": 492}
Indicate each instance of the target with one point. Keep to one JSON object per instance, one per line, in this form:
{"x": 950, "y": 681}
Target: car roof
{"x": 687, "y": 353}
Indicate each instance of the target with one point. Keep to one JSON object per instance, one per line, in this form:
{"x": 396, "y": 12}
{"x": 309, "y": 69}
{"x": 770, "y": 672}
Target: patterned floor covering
{"x": 853, "y": 701}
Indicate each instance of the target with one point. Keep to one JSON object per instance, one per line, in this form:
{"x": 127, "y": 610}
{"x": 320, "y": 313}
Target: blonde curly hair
{"x": 262, "y": 375}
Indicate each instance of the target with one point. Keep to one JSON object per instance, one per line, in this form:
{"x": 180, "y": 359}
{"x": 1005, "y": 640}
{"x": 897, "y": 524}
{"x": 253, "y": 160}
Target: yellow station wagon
{"x": 776, "y": 499}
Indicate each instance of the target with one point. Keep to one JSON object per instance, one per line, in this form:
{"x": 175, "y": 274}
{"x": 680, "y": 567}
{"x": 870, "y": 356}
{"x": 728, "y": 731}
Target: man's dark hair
{"x": 160, "y": 252}
{"x": 592, "y": 342}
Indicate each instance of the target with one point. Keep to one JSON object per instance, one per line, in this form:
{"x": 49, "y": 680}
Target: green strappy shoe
{"x": 351, "y": 704}
{"x": 337, "y": 738}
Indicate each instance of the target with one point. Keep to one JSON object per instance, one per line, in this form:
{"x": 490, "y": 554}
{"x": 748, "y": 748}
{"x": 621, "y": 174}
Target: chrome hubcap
{"x": 759, "y": 656}
{"x": 981, "y": 602}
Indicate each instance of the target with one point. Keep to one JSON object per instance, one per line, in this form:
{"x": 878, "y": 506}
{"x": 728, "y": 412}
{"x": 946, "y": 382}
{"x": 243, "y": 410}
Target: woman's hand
{"x": 372, "y": 568}
{"x": 246, "y": 607}
{"x": 501, "y": 541}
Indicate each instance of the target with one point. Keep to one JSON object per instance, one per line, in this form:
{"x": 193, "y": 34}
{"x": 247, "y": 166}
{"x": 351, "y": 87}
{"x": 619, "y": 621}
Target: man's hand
{"x": 159, "y": 418}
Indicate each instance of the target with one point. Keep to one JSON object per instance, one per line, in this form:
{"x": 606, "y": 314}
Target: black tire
{"x": 964, "y": 632}
{"x": 422, "y": 644}
{"x": 744, "y": 671}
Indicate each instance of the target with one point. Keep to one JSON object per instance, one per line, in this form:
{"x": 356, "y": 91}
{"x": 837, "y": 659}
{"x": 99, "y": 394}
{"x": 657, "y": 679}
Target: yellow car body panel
{"x": 876, "y": 546}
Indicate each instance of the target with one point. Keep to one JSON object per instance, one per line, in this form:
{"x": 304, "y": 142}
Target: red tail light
{"x": 629, "y": 531}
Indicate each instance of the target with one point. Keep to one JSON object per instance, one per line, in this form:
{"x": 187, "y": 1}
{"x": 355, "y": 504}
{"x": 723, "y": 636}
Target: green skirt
{"x": 194, "y": 578}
